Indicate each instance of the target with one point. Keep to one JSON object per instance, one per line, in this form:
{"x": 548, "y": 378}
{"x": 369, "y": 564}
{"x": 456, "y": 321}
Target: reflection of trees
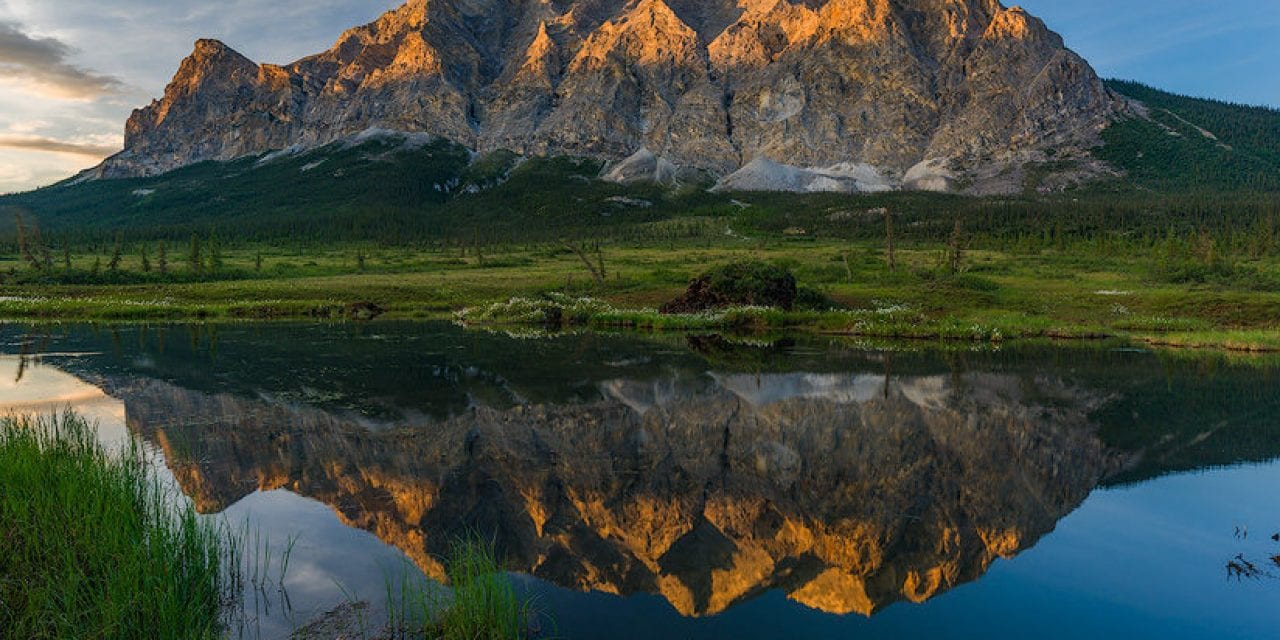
{"x": 30, "y": 347}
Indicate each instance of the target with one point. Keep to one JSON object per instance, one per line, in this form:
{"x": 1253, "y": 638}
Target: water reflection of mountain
{"x": 844, "y": 493}
{"x": 621, "y": 466}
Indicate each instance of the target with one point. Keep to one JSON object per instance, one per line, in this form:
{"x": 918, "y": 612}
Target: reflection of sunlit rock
{"x": 846, "y": 492}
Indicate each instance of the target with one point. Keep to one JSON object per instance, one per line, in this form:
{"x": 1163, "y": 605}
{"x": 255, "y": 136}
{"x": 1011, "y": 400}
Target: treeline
{"x": 1237, "y": 221}
{"x": 46, "y": 261}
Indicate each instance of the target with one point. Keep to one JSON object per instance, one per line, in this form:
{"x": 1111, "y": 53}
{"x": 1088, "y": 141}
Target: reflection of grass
{"x": 1238, "y": 341}
{"x": 482, "y": 604}
{"x": 94, "y": 548}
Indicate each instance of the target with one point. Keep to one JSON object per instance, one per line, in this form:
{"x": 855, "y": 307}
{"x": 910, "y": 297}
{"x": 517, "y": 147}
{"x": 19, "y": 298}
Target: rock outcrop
{"x": 710, "y": 85}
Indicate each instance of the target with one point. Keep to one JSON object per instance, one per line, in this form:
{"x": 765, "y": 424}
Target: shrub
{"x": 741, "y": 283}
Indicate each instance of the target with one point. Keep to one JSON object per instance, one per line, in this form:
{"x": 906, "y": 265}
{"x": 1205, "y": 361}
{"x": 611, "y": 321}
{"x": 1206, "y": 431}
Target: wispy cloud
{"x": 49, "y": 145}
{"x": 43, "y": 65}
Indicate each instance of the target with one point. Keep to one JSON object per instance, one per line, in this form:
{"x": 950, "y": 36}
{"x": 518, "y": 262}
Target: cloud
{"x": 49, "y": 145}
{"x": 42, "y": 63}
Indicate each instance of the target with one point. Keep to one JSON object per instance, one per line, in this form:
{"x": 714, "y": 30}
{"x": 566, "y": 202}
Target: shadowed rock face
{"x": 704, "y": 84}
{"x": 847, "y": 492}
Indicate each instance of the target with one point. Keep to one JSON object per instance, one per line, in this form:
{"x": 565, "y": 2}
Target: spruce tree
{"x": 215, "y": 254}
{"x": 955, "y": 248}
{"x": 891, "y": 255}
{"x": 194, "y": 257}
{"x": 116, "y": 256}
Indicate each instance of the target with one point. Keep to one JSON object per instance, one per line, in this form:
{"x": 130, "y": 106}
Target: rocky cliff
{"x": 847, "y": 492}
{"x": 914, "y": 93}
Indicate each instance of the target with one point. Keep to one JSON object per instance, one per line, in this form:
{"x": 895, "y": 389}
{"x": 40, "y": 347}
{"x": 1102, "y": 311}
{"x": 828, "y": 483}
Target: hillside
{"x": 1178, "y": 143}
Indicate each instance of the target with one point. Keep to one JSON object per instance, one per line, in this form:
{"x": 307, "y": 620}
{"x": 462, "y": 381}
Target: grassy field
{"x": 1073, "y": 292}
{"x": 92, "y": 547}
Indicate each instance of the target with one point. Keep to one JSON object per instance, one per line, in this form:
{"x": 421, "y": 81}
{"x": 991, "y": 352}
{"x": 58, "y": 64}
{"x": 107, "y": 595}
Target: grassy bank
{"x": 1072, "y": 292}
{"x": 92, "y": 546}
{"x": 95, "y": 547}
{"x": 482, "y": 603}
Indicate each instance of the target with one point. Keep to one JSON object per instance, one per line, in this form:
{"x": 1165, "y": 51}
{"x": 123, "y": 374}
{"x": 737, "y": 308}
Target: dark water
{"x": 704, "y": 488}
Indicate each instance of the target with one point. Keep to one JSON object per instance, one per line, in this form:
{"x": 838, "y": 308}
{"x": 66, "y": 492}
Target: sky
{"x": 71, "y": 71}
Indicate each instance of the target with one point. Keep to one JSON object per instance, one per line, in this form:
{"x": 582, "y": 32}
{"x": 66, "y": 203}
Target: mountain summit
{"x": 915, "y": 93}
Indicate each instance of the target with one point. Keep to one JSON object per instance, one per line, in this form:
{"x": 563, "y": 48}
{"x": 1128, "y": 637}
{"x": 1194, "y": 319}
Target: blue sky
{"x": 1229, "y": 49}
{"x": 72, "y": 70}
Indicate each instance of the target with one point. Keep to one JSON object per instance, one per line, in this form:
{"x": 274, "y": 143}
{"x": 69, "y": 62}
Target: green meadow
{"x": 1157, "y": 294}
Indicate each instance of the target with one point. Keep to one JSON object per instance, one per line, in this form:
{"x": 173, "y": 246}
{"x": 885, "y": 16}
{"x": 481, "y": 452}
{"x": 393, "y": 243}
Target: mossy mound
{"x": 742, "y": 283}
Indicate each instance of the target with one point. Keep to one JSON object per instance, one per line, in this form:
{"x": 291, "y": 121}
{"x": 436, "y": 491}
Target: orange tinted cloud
{"x": 34, "y": 143}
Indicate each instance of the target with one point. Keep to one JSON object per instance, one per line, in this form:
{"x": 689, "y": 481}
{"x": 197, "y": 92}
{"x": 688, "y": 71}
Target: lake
{"x": 710, "y": 487}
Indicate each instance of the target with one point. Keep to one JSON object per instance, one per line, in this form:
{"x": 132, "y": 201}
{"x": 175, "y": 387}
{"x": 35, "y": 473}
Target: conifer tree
{"x": 955, "y": 248}
{"x": 116, "y": 256}
{"x": 890, "y": 253}
{"x": 194, "y": 258}
{"x": 215, "y": 254}
{"x": 162, "y": 259}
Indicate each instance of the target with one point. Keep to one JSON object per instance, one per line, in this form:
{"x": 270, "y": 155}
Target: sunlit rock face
{"x": 706, "y": 84}
{"x": 847, "y": 492}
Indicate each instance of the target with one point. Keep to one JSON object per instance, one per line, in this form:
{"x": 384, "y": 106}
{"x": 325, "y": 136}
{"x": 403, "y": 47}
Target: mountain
{"x": 916, "y": 93}
{"x": 1191, "y": 159}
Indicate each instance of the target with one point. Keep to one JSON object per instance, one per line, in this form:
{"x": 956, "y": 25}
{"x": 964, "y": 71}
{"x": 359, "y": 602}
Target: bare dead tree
{"x": 25, "y": 243}
{"x": 890, "y": 252}
{"x": 955, "y": 248}
{"x": 597, "y": 271}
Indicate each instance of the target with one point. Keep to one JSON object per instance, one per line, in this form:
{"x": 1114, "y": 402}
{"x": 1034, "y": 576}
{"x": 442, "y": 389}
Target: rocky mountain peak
{"x": 206, "y": 48}
{"x": 211, "y": 60}
{"x": 967, "y": 86}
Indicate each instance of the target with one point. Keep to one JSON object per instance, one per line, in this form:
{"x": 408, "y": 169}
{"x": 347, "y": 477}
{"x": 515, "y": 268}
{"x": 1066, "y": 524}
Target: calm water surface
{"x": 706, "y": 488}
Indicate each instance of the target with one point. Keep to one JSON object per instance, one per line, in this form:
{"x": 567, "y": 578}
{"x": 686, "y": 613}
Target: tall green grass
{"x": 93, "y": 545}
{"x": 481, "y": 605}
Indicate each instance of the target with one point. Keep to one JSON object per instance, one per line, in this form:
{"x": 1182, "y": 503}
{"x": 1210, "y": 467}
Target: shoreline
{"x": 946, "y": 331}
